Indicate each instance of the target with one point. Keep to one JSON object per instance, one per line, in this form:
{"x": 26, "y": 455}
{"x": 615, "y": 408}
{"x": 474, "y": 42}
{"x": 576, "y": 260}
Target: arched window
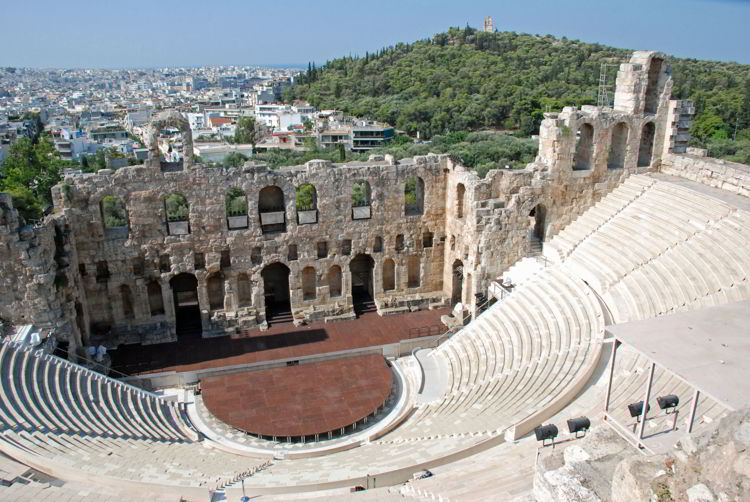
{"x": 460, "y": 193}
{"x": 236, "y": 208}
{"x": 127, "y": 301}
{"x": 618, "y": 146}
{"x": 399, "y": 243}
{"x": 361, "y": 199}
{"x": 389, "y": 275}
{"x": 653, "y": 89}
{"x": 334, "y": 281}
{"x": 244, "y": 290}
{"x": 584, "y": 148}
{"x": 155, "y": 298}
{"x": 377, "y": 246}
{"x": 413, "y": 272}
{"x": 215, "y": 289}
{"x": 306, "y": 202}
{"x": 646, "y": 149}
{"x": 308, "y": 283}
{"x": 178, "y": 212}
{"x": 114, "y": 213}
{"x": 272, "y": 209}
{"x": 414, "y": 196}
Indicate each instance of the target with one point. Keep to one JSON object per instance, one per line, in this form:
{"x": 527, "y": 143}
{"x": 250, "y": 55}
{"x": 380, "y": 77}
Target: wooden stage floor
{"x": 279, "y": 342}
{"x": 300, "y": 400}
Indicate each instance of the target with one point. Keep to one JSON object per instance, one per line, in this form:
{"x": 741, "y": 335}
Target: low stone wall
{"x": 703, "y": 467}
{"x": 715, "y": 173}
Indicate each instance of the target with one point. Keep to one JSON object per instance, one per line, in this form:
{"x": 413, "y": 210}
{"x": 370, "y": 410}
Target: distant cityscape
{"x": 89, "y": 110}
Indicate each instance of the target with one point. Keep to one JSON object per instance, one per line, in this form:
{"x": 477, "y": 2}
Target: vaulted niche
{"x": 308, "y": 283}
{"x": 646, "y": 148}
{"x": 178, "y": 212}
{"x": 460, "y": 194}
{"x": 414, "y": 196}
{"x": 618, "y": 147}
{"x": 306, "y": 202}
{"x": 389, "y": 275}
{"x": 236, "y": 209}
{"x": 271, "y": 208}
{"x": 361, "y": 200}
{"x": 653, "y": 89}
{"x": 244, "y": 290}
{"x": 114, "y": 217}
{"x": 584, "y": 155}
{"x": 334, "y": 281}
{"x": 215, "y": 290}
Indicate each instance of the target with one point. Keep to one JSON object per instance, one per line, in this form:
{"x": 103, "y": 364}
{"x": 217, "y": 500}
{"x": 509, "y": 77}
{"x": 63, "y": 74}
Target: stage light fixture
{"x": 668, "y": 402}
{"x": 545, "y": 432}
{"x": 636, "y": 409}
{"x": 580, "y": 424}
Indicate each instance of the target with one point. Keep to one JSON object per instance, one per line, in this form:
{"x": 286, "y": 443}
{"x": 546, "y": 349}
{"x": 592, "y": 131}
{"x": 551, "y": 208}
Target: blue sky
{"x": 136, "y": 33}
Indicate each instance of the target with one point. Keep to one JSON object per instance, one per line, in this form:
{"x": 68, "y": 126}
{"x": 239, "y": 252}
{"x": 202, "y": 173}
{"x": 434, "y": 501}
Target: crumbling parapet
{"x": 643, "y": 84}
{"x": 678, "y": 123}
{"x": 169, "y": 118}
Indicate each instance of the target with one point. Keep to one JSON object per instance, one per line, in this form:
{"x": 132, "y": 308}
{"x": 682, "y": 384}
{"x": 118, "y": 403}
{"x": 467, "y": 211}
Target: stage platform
{"x": 304, "y": 400}
{"x": 281, "y": 341}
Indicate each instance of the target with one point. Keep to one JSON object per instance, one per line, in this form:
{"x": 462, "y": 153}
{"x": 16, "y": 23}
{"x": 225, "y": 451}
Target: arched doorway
{"x": 362, "y": 293}
{"x": 646, "y": 149}
{"x": 186, "y": 308}
{"x": 536, "y": 223}
{"x": 276, "y": 292}
{"x": 458, "y": 282}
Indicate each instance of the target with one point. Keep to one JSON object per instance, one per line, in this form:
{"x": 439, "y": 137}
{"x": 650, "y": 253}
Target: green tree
{"x": 31, "y": 170}
{"x": 113, "y": 212}
{"x": 360, "y": 194}
{"x": 305, "y": 197}
{"x": 709, "y": 125}
{"x": 248, "y": 131}
{"x": 236, "y": 202}
{"x": 235, "y": 159}
{"x": 177, "y": 207}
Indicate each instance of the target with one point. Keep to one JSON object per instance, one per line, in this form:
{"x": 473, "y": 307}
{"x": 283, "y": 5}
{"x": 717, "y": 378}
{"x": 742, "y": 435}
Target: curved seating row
{"x": 41, "y": 392}
{"x": 514, "y": 360}
{"x": 691, "y": 251}
{"x": 68, "y": 417}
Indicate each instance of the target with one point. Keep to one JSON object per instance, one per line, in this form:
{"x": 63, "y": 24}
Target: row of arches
{"x": 276, "y": 289}
{"x": 583, "y": 158}
{"x": 271, "y": 206}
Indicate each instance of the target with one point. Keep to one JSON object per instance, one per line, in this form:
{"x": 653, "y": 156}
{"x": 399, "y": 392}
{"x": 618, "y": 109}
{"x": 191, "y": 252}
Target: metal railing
{"x": 119, "y": 374}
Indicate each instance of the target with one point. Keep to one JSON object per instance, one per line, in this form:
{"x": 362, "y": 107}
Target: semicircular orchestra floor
{"x": 305, "y": 400}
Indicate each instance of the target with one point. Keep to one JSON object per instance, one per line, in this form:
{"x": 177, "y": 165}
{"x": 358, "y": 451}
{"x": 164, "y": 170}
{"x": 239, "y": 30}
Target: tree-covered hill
{"x": 466, "y": 80}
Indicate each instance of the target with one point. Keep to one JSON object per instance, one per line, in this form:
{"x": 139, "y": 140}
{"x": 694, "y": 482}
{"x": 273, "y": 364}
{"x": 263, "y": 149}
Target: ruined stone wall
{"x": 37, "y": 284}
{"x": 469, "y": 232}
{"x": 715, "y": 173}
{"x": 147, "y": 239}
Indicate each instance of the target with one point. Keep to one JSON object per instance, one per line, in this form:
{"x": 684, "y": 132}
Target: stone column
{"x": 141, "y": 308}
{"x": 231, "y": 301}
{"x": 168, "y": 300}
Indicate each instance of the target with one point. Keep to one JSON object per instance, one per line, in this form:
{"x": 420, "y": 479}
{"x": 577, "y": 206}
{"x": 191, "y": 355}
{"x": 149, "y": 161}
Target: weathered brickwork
{"x": 129, "y": 283}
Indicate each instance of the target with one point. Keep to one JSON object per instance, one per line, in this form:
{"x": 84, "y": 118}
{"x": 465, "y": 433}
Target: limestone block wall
{"x": 716, "y": 173}
{"x": 37, "y": 284}
{"x": 107, "y": 259}
{"x": 119, "y": 281}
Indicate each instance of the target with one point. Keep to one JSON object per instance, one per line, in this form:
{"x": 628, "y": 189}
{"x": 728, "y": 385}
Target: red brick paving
{"x": 300, "y": 400}
{"x": 281, "y": 341}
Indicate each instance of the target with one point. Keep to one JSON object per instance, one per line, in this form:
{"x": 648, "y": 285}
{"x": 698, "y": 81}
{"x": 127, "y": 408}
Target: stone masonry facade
{"x": 88, "y": 283}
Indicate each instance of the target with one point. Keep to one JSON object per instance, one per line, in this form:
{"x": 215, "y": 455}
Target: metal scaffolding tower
{"x": 603, "y": 98}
